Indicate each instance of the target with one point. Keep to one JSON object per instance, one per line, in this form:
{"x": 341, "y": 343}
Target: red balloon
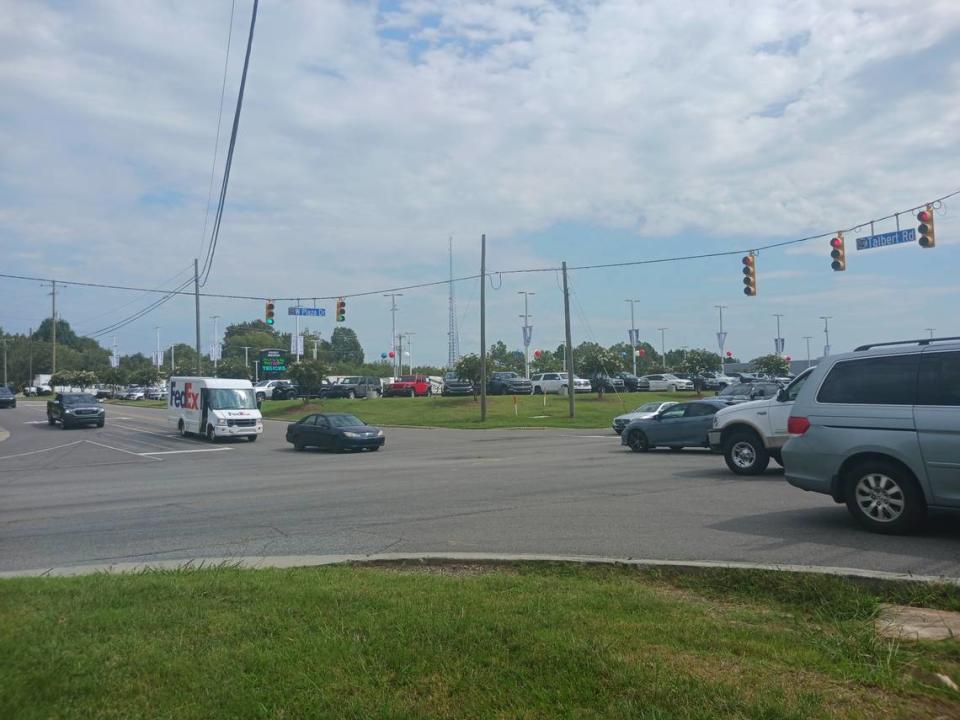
{"x": 642, "y": 352}
{"x": 788, "y": 358}
{"x": 392, "y": 353}
{"x": 537, "y": 354}
{"x": 729, "y": 354}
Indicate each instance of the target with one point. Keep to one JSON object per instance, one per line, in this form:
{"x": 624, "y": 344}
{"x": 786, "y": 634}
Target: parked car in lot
{"x": 454, "y": 385}
{"x": 70, "y": 409}
{"x": 667, "y": 383}
{"x": 155, "y": 394}
{"x": 879, "y": 430}
{"x": 750, "y": 433}
{"x": 286, "y": 391}
{"x": 679, "y": 426}
{"x": 630, "y": 381}
{"x": 644, "y": 412}
{"x": 7, "y": 398}
{"x": 133, "y": 393}
{"x": 354, "y": 386}
{"x": 746, "y": 392}
{"x": 103, "y": 392}
{"x": 409, "y": 386}
{"x": 334, "y": 431}
{"x": 264, "y": 389}
{"x": 607, "y": 384}
{"x": 508, "y": 383}
{"x": 556, "y": 382}
{"x": 717, "y": 380}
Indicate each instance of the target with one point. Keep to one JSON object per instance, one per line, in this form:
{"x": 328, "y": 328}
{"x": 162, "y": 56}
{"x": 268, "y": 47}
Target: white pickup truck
{"x": 751, "y": 433}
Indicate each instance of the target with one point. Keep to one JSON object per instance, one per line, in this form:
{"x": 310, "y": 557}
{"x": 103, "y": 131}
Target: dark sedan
{"x": 7, "y": 398}
{"x": 679, "y": 426}
{"x": 334, "y": 431}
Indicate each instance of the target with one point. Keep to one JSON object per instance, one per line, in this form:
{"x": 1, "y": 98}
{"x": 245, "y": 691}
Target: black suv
{"x": 284, "y": 391}
{"x": 605, "y": 383}
{"x": 454, "y": 385}
{"x": 508, "y": 383}
{"x": 630, "y": 381}
{"x": 355, "y": 386}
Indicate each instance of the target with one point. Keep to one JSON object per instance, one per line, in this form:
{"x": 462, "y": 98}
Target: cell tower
{"x": 453, "y": 336}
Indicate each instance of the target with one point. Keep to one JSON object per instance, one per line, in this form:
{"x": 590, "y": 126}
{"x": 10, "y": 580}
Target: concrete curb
{"x": 298, "y": 561}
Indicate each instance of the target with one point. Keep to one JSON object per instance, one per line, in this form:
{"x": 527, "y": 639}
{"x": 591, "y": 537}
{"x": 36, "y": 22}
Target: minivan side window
{"x": 939, "y": 378}
{"x": 890, "y": 380}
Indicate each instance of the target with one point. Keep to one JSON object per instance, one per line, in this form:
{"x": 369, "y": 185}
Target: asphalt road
{"x": 135, "y": 492}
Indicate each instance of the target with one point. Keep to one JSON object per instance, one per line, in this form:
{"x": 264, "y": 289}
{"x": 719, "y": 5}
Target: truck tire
{"x": 351, "y": 395}
{"x": 211, "y": 434}
{"x": 181, "y": 429}
{"x": 745, "y": 453}
{"x": 884, "y": 497}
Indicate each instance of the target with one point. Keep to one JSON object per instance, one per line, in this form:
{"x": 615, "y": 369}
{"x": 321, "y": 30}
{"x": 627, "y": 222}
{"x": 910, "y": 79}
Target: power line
{"x": 215, "y": 235}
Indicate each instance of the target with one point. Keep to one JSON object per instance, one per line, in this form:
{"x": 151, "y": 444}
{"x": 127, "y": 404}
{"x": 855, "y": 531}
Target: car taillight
{"x": 797, "y": 425}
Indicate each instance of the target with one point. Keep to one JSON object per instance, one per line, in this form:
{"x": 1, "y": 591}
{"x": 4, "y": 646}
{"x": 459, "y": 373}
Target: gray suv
{"x": 879, "y": 430}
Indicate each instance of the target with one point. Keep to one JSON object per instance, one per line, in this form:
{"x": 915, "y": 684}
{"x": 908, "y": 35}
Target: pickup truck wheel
{"x": 351, "y": 395}
{"x": 638, "y": 441}
{"x": 63, "y": 425}
{"x": 211, "y": 435}
{"x": 745, "y": 453}
{"x": 884, "y": 498}
{"x": 50, "y": 420}
{"x": 412, "y": 393}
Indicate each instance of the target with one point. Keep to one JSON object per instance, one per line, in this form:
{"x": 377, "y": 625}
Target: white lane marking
{"x": 128, "y": 452}
{"x": 35, "y": 422}
{"x": 181, "y": 452}
{"x": 603, "y": 437}
{"x": 148, "y": 432}
{"x": 37, "y": 452}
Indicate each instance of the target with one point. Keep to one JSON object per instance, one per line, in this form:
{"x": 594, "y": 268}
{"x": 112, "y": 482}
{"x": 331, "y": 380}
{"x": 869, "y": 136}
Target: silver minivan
{"x": 879, "y": 430}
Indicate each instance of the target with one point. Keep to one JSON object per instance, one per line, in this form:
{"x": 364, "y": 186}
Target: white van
{"x": 214, "y": 407}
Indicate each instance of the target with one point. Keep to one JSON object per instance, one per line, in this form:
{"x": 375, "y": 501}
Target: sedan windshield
{"x": 734, "y": 390}
{"x": 227, "y": 399}
{"x": 648, "y": 407}
{"x": 72, "y": 400}
{"x": 342, "y": 421}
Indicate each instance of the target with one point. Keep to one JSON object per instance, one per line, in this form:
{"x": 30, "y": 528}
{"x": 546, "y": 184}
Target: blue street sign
{"x": 884, "y": 239}
{"x": 309, "y": 311}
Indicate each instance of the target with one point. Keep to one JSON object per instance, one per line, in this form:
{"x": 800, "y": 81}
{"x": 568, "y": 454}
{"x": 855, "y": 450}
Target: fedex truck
{"x": 214, "y": 408}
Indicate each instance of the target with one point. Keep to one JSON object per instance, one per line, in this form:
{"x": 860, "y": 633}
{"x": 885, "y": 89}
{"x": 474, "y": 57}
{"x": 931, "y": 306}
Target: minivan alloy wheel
{"x": 880, "y": 497}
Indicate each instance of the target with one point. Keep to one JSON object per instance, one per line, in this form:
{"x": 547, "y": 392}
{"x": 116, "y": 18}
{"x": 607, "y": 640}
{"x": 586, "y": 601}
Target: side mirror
{"x": 782, "y": 395}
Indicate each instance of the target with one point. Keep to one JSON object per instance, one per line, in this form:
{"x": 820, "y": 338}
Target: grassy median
{"x": 464, "y": 412}
{"x": 461, "y": 641}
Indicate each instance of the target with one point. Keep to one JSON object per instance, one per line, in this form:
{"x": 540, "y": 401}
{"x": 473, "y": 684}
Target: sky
{"x": 588, "y": 132}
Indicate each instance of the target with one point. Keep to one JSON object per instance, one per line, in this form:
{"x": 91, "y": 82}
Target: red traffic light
{"x": 838, "y": 253}
{"x": 836, "y": 242}
{"x": 749, "y": 275}
{"x": 748, "y": 261}
{"x": 925, "y": 230}
{"x": 924, "y": 216}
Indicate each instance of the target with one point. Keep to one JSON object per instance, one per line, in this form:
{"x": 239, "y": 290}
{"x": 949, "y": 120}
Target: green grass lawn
{"x": 462, "y": 641}
{"x": 457, "y": 412}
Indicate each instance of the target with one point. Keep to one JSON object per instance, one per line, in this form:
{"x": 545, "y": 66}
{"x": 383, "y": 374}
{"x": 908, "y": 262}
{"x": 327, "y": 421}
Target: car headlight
{"x": 379, "y": 433}
{"x": 68, "y": 412}
{"x": 352, "y": 435}
{"x": 221, "y": 421}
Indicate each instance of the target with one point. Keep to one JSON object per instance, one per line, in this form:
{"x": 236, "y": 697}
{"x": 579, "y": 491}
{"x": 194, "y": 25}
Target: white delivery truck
{"x": 214, "y": 407}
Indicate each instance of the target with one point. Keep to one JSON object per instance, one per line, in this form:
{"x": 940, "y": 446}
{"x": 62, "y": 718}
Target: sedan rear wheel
{"x": 637, "y": 441}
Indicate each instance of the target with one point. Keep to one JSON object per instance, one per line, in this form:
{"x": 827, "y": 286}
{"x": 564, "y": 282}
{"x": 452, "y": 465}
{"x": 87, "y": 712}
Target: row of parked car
{"x": 877, "y": 429}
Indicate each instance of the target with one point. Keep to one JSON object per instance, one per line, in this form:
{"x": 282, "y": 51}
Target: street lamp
{"x": 826, "y": 332}
{"x": 778, "y": 344}
{"x": 663, "y": 345}
{"x": 634, "y": 339}
{"x": 527, "y": 330}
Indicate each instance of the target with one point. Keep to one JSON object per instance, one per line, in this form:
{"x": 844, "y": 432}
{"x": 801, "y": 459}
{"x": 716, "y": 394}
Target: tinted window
{"x": 701, "y": 409}
{"x": 872, "y": 381}
{"x": 673, "y": 412}
{"x": 793, "y": 389}
{"x": 765, "y": 390}
{"x": 940, "y": 379}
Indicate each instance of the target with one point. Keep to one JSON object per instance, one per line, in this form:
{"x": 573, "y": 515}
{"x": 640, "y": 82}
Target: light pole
{"x": 930, "y": 330}
{"x": 4, "y": 359}
{"x": 808, "y": 338}
{"x": 527, "y": 331}
{"x": 409, "y": 350}
{"x": 157, "y": 355}
{"x": 721, "y": 336}
{"x": 777, "y": 343}
{"x": 246, "y": 356}
{"x": 393, "y": 335}
{"x": 634, "y": 340}
{"x": 826, "y": 332}
{"x": 663, "y": 346}
{"x": 173, "y": 352}
{"x": 215, "y": 348}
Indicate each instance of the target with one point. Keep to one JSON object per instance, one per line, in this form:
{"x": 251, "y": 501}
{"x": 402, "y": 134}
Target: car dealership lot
{"x": 134, "y": 491}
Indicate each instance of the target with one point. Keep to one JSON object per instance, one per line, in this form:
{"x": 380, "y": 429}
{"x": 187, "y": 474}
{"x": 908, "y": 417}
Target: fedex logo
{"x": 186, "y": 398}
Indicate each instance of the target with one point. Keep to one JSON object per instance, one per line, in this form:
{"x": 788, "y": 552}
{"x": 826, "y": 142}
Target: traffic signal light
{"x": 268, "y": 312}
{"x": 750, "y": 275}
{"x": 341, "y": 310}
{"x": 925, "y": 230}
{"x": 838, "y": 253}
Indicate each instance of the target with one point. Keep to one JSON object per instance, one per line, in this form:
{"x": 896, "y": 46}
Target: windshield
{"x": 5, "y": 391}
{"x": 262, "y": 383}
{"x": 229, "y": 399}
{"x": 344, "y": 421}
{"x": 71, "y": 400}
{"x": 793, "y": 389}
{"x": 649, "y": 407}
{"x": 732, "y": 390}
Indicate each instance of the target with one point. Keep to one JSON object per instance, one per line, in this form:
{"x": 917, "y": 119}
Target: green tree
{"x": 115, "y": 377}
{"x": 590, "y": 358}
{"x": 547, "y": 362}
{"x": 504, "y": 360}
{"x": 145, "y": 375}
{"x": 468, "y": 368}
{"x": 700, "y": 361}
{"x": 308, "y": 375}
{"x": 771, "y": 364}
{"x": 233, "y": 368}
{"x": 345, "y": 347}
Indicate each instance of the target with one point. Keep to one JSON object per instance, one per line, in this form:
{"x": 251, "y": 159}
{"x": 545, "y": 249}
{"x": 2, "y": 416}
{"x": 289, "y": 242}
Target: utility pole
{"x": 196, "y": 301}
{"x": 409, "y": 351}
{"x": 778, "y": 345}
{"x": 721, "y": 336}
{"x": 930, "y": 330}
{"x": 53, "y": 294}
{"x": 453, "y": 335}
{"x": 568, "y": 352}
{"x": 633, "y": 335}
{"x": 400, "y": 353}
{"x": 297, "y": 340}
{"x": 663, "y": 346}
{"x": 393, "y": 335}
{"x": 826, "y": 332}
{"x": 246, "y": 356}
{"x": 4, "y": 359}
{"x": 173, "y": 364}
{"x": 808, "y": 338}
{"x": 527, "y": 331}
{"x": 30, "y": 358}
{"x": 158, "y": 355}
{"x": 215, "y": 347}
{"x": 483, "y": 326}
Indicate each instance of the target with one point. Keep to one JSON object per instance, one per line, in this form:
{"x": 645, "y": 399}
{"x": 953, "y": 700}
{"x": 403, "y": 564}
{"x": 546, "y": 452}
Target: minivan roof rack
{"x": 922, "y": 341}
